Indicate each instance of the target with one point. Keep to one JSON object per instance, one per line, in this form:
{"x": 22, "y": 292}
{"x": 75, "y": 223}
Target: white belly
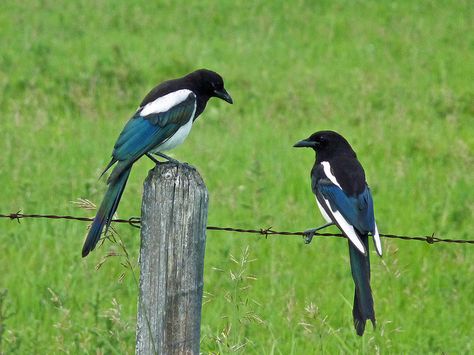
{"x": 176, "y": 139}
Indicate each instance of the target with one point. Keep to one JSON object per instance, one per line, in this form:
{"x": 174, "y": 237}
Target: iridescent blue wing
{"x": 354, "y": 215}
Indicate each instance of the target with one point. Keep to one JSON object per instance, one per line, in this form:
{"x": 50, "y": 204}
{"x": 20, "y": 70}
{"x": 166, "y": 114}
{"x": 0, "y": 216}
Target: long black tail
{"x": 363, "y": 301}
{"x": 106, "y": 211}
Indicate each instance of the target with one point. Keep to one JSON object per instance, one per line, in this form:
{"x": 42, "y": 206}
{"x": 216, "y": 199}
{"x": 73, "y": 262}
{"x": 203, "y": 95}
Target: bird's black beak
{"x": 305, "y": 144}
{"x": 224, "y": 95}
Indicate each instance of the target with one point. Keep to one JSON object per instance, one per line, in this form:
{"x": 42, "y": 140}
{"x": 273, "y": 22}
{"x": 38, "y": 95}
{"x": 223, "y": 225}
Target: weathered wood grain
{"x": 173, "y": 239}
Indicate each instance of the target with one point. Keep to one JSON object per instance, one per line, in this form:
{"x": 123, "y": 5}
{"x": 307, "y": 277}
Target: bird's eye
{"x": 321, "y": 141}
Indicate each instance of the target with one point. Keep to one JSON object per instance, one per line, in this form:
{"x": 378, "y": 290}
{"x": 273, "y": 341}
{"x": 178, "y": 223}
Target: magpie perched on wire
{"x": 162, "y": 122}
{"x": 344, "y": 199}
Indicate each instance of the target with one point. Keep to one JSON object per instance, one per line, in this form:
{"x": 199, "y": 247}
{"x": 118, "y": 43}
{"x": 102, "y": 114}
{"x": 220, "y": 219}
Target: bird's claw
{"x": 189, "y": 166}
{"x": 308, "y": 235}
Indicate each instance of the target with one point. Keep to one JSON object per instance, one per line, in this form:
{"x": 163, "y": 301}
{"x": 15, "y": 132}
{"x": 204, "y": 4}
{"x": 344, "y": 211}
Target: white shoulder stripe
{"x": 164, "y": 103}
{"x": 347, "y": 228}
{"x": 377, "y": 242}
{"x": 329, "y": 174}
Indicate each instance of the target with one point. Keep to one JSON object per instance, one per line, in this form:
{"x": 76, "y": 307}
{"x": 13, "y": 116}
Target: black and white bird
{"x": 162, "y": 122}
{"x": 344, "y": 199}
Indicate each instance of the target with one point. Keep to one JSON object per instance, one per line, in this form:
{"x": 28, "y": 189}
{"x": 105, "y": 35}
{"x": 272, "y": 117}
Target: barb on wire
{"x": 135, "y": 222}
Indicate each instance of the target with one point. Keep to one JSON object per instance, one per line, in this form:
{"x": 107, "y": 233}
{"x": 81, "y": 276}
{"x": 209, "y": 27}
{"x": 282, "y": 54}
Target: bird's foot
{"x": 189, "y": 166}
{"x": 308, "y": 235}
{"x": 157, "y": 162}
{"x": 171, "y": 160}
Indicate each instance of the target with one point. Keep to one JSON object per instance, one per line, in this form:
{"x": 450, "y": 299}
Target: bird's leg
{"x": 171, "y": 160}
{"x": 157, "y": 162}
{"x": 167, "y": 158}
{"x": 174, "y": 160}
{"x": 309, "y": 234}
{"x": 153, "y": 159}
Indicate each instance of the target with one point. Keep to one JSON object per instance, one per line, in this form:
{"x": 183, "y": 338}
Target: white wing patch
{"x": 164, "y": 103}
{"x": 347, "y": 228}
{"x": 323, "y": 212}
{"x": 329, "y": 174}
{"x": 377, "y": 242}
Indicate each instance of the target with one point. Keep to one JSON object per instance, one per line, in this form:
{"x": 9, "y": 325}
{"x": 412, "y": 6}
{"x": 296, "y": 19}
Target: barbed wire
{"x": 136, "y": 221}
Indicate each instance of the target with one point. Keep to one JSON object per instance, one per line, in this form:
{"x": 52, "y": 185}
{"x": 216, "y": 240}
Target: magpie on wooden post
{"x": 162, "y": 122}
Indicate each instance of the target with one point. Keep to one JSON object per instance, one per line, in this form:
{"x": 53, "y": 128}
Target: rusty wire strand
{"x": 135, "y": 222}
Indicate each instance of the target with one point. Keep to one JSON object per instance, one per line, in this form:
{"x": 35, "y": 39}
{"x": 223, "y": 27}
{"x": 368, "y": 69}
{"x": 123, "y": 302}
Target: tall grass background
{"x": 395, "y": 78}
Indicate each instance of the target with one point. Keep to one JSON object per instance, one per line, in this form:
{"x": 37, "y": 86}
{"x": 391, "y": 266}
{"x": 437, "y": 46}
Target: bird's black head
{"x": 326, "y": 142}
{"x": 209, "y": 84}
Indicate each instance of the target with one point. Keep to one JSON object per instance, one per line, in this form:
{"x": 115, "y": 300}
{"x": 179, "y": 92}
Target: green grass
{"x": 395, "y": 78}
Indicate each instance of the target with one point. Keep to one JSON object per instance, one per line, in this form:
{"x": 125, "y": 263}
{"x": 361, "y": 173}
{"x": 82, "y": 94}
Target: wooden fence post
{"x": 173, "y": 240}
